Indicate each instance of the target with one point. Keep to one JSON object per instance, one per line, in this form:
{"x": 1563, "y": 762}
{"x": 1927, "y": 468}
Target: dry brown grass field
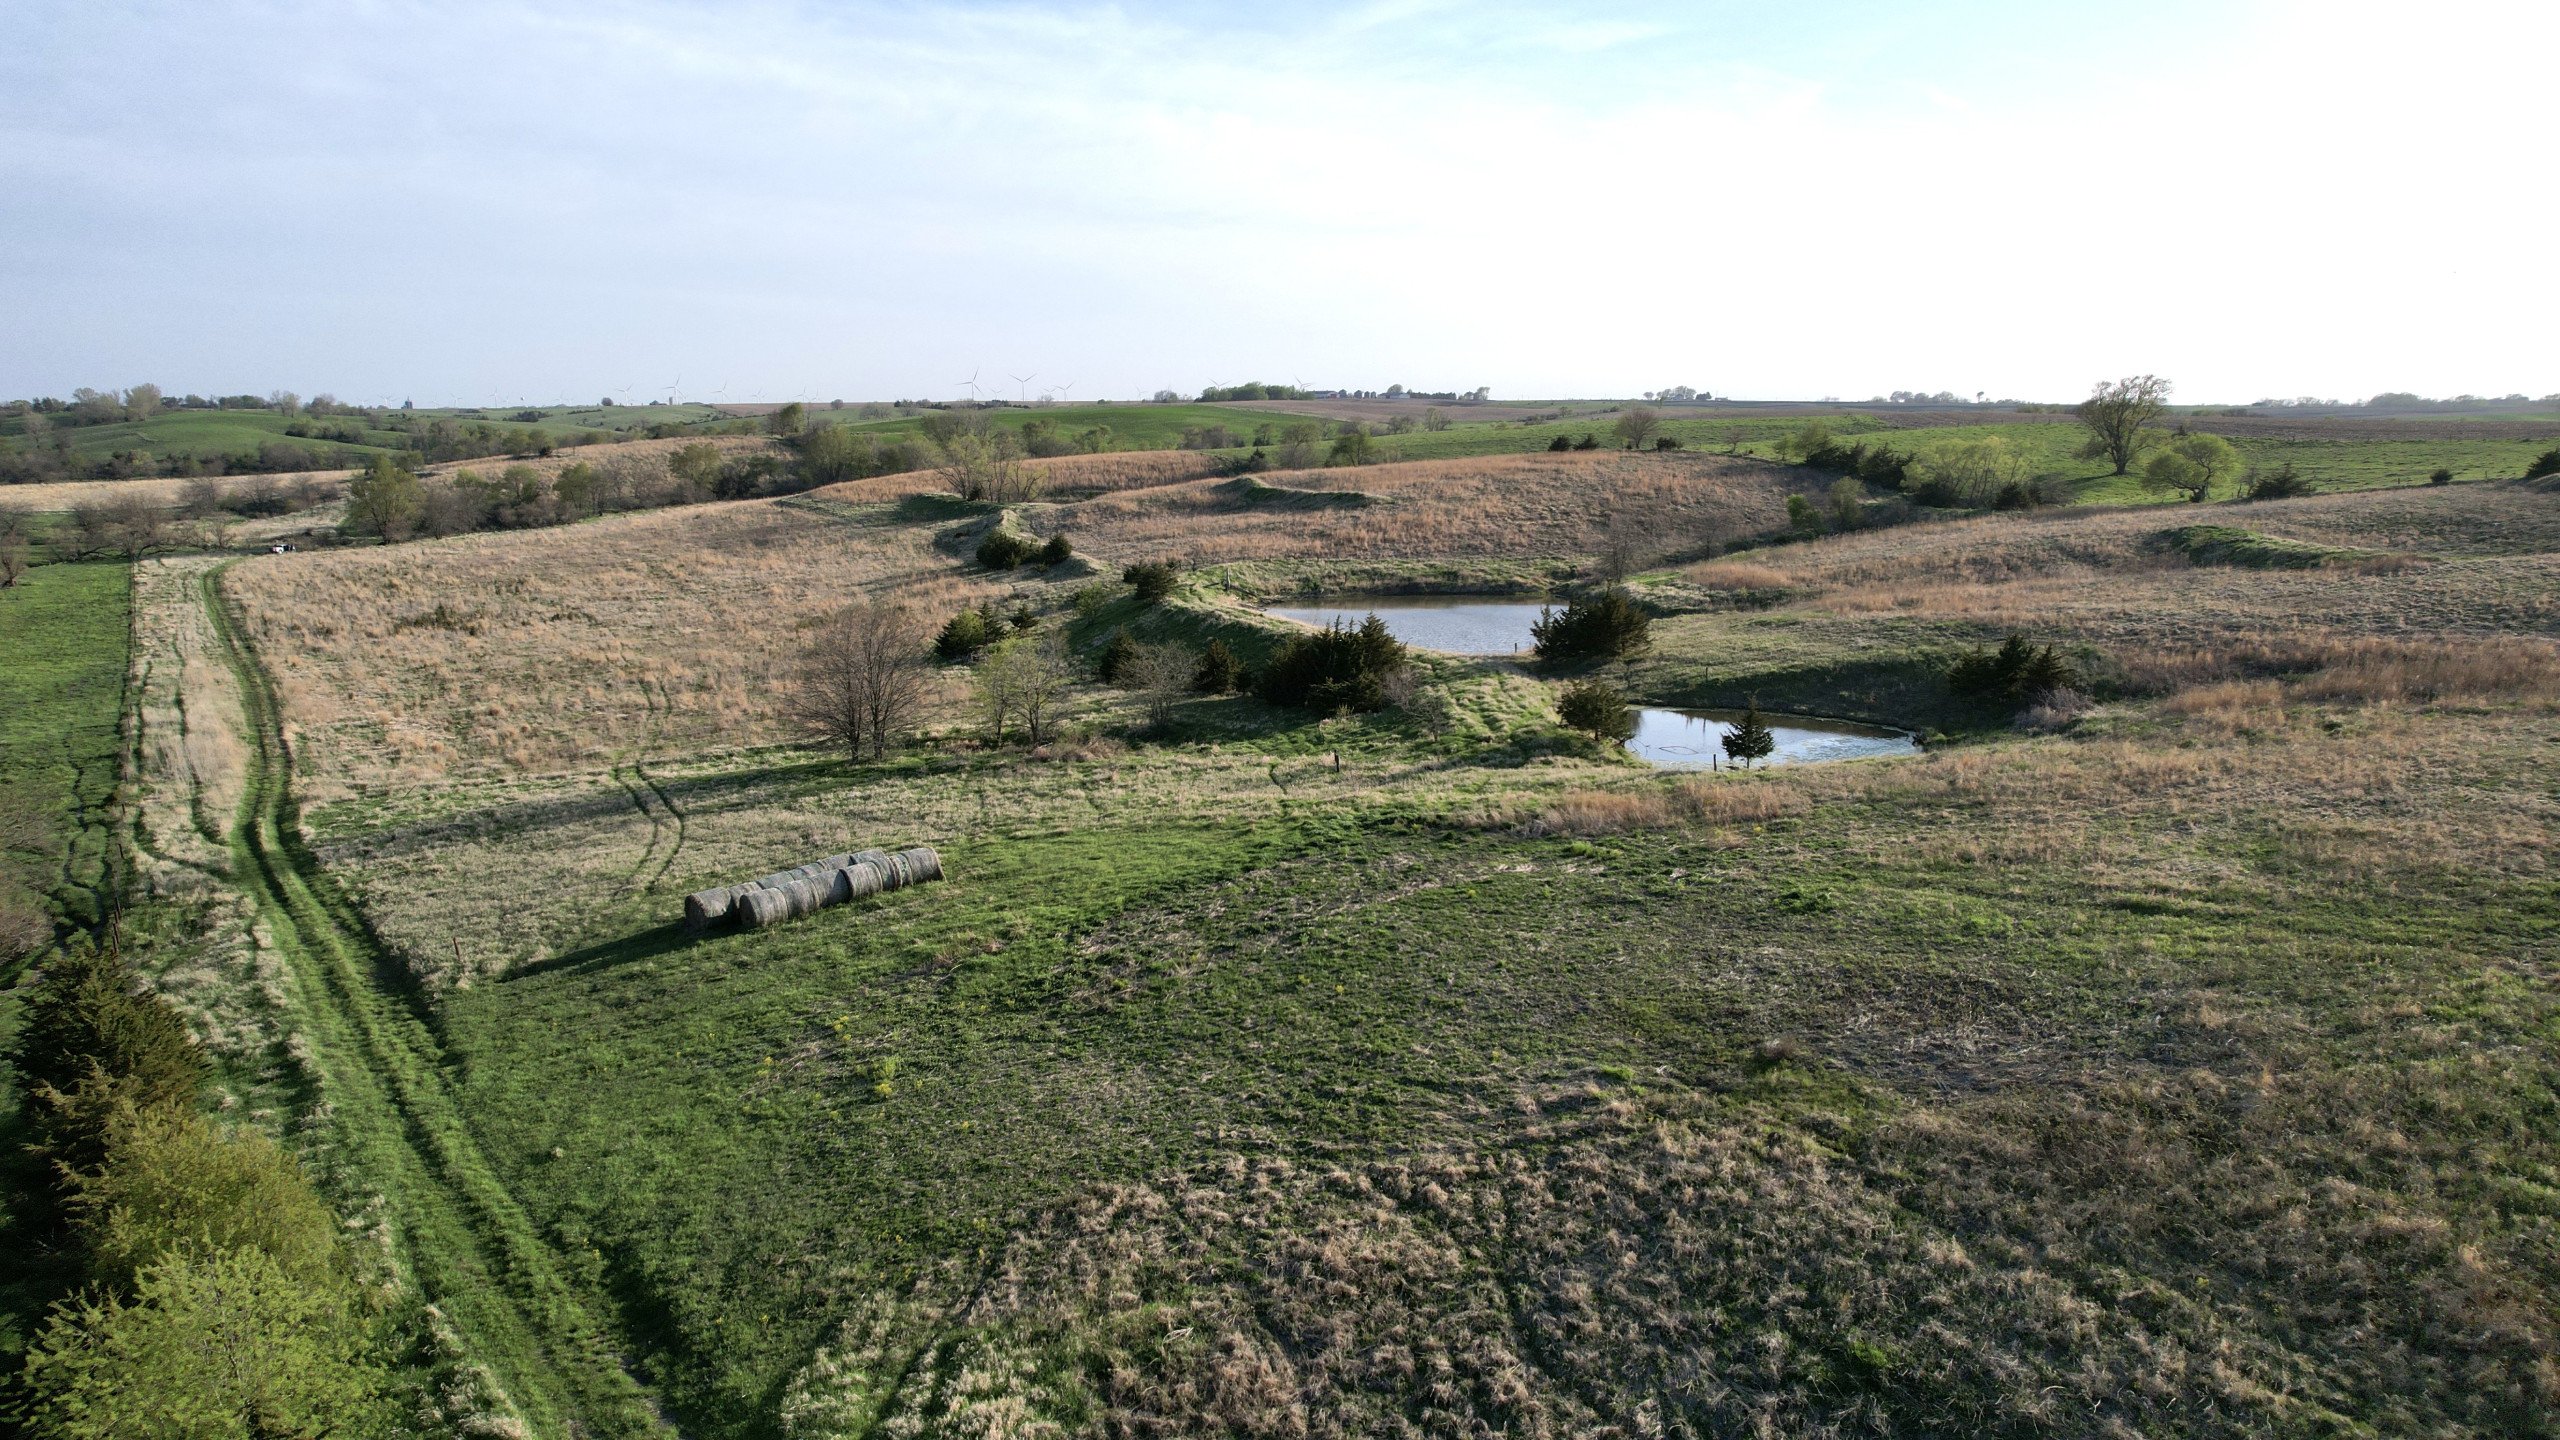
{"x": 1520, "y": 506}
{"x": 2451, "y": 591}
{"x": 635, "y": 635}
{"x": 164, "y": 492}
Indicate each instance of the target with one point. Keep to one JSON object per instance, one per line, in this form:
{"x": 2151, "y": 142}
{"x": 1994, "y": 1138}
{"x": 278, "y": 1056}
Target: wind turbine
{"x": 1021, "y": 386}
{"x": 672, "y": 386}
{"x": 1061, "y": 391}
{"x": 972, "y": 385}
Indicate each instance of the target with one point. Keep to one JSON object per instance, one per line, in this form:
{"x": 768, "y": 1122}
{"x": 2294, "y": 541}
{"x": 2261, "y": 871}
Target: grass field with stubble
{"x": 2177, "y": 1058}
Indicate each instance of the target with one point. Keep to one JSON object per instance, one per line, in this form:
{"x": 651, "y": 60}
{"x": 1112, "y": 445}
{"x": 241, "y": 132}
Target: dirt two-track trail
{"x": 396, "y": 1126}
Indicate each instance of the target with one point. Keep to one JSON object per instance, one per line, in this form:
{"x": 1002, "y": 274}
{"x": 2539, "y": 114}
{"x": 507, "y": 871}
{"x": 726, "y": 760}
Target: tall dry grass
{"x": 164, "y": 492}
{"x": 2359, "y": 667}
{"x": 1540, "y": 505}
{"x": 1123, "y": 470}
{"x": 661, "y": 631}
{"x": 1707, "y": 801}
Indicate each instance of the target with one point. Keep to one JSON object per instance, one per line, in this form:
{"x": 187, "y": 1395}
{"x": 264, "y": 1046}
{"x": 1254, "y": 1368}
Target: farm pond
{"x": 1672, "y": 739}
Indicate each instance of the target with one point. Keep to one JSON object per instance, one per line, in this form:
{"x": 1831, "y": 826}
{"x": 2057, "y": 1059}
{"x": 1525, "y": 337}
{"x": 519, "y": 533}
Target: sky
{"x": 483, "y": 203}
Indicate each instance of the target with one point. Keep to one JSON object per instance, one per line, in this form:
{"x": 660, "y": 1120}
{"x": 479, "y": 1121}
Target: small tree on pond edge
{"x": 1597, "y": 709}
{"x": 862, "y": 679}
{"x": 1340, "y": 667}
{"x": 2016, "y": 673}
{"x": 1605, "y": 626}
{"x": 1751, "y": 739}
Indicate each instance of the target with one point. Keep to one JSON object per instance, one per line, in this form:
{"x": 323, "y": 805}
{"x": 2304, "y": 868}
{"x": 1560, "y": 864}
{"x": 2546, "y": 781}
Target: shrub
{"x": 1088, "y": 600}
{"x": 1595, "y": 708}
{"x": 2281, "y": 483}
{"x": 1003, "y": 550}
{"x": 2440, "y": 476}
{"x": 1666, "y": 442}
{"x": 2547, "y": 463}
{"x": 1588, "y": 441}
{"x": 967, "y": 633}
{"x": 1219, "y": 672}
{"x": 172, "y": 1182}
{"x": 1341, "y": 667}
{"x": 1878, "y": 466}
{"x": 1803, "y": 517}
{"x": 211, "y": 1343}
{"x": 1117, "y": 653}
{"x": 1606, "y": 626}
{"x": 2017, "y": 672}
{"x": 1562, "y": 442}
{"x": 1152, "y": 580}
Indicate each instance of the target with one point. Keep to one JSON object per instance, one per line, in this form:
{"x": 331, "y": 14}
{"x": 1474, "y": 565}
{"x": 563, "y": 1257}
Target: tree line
{"x": 202, "y": 1286}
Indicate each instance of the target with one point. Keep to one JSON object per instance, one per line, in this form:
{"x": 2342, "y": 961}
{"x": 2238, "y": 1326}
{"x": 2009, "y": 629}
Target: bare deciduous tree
{"x": 862, "y": 679}
{"x": 1161, "y": 675}
{"x": 1025, "y": 679}
{"x": 13, "y": 557}
{"x": 1638, "y": 426}
{"x": 200, "y": 498}
{"x": 985, "y": 466}
{"x": 2119, "y": 415}
{"x": 126, "y": 525}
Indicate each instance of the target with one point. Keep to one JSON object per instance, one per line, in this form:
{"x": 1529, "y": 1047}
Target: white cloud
{"x": 481, "y": 201}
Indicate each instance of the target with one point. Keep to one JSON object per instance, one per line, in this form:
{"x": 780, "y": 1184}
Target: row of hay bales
{"x": 805, "y": 889}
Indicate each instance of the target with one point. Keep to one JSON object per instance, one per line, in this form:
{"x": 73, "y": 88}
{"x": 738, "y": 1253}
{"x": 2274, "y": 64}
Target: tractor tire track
{"x": 395, "y": 1128}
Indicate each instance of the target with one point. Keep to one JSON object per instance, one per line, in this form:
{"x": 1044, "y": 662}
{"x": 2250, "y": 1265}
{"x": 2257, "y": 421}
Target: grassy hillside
{"x": 2180, "y": 1063}
{"x": 1132, "y": 427}
{"x": 2335, "y": 453}
{"x": 205, "y": 434}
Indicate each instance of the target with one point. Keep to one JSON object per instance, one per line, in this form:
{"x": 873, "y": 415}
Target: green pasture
{"x": 64, "y": 634}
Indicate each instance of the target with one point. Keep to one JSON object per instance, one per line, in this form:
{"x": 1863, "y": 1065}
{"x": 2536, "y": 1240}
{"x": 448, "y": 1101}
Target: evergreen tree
{"x": 1595, "y": 708}
{"x": 1220, "y": 671}
{"x": 93, "y": 1041}
{"x": 1117, "y": 652}
{"x": 1750, "y": 739}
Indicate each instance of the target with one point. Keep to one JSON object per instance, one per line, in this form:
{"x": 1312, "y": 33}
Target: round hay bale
{"x": 705, "y": 908}
{"x": 857, "y": 881}
{"x": 760, "y": 908}
{"x": 922, "y": 863}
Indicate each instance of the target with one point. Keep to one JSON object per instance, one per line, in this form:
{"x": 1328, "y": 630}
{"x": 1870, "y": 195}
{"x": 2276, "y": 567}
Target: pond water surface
{"x": 1672, "y": 739}
{"x": 1432, "y": 622}
{"x": 1694, "y": 739}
